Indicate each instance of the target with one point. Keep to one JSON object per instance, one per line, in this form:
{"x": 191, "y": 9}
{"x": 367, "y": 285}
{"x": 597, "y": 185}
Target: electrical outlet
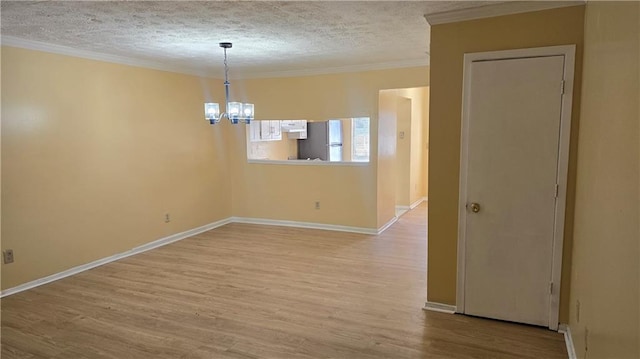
{"x": 167, "y": 218}
{"x": 7, "y": 256}
{"x": 401, "y": 135}
{"x": 317, "y": 204}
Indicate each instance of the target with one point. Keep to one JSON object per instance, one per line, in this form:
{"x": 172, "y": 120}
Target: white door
{"x": 513, "y": 136}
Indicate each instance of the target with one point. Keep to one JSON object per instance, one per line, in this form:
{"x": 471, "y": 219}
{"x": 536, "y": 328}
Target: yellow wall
{"x": 403, "y": 151}
{"x": 412, "y": 115}
{"x": 424, "y": 183}
{"x": 348, "y": 194}
{"x": 419, "y": 126}
{"x": 93, "y": 156}
{"x": 606, "y": 252}
{"x": 387, "y": 173}
{"x": 449, "y": 42}
{"x": 1, "y": 261}
{"x": 347, "y": 136}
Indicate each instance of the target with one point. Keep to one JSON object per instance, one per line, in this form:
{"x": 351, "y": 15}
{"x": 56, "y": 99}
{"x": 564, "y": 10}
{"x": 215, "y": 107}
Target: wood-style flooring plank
{"x": 248, "y": 291}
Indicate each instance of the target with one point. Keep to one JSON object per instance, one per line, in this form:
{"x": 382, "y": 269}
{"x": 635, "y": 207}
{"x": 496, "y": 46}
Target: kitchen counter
{"x": 298, "y": 162}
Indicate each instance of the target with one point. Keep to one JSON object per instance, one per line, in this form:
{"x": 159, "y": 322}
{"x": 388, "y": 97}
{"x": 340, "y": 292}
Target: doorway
{"x": 408, "y": 109}
{"x": 513, "y": 174}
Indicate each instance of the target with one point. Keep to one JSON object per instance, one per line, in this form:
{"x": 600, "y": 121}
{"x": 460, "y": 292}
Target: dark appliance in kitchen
{"x": 323, "y": 142}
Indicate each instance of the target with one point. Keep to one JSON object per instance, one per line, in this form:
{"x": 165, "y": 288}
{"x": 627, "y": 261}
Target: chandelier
{"x": 235, "y": 111}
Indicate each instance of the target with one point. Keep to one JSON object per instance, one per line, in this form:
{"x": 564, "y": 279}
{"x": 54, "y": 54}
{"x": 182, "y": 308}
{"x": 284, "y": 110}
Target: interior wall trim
{"x": 343, "y": 69}
{"x": 310, "y": 225}
{"x": 568, "y": 340}
{"x": 155, "y": 65}
{"x": 401, "y": 210}
{"x": 505, "y": 8}
{"x": 417, "y": 203}
{"x": 189, "y": 233}
{"x": 93, "y": 55}
{"x": 439, "y": 307}
{"x": 387, "y": 225}
{"x": 137, "y": 250}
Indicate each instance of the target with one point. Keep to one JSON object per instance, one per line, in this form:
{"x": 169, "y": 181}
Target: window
{"x": 360, "y": 139}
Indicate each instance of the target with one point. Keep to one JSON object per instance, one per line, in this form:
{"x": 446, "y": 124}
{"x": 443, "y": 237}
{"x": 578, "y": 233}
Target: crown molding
{"x": 93, "y": 55}
{"x": 499, "y": 9}
{"x": 340, "y": 69}
{"x": 130, "y": 61}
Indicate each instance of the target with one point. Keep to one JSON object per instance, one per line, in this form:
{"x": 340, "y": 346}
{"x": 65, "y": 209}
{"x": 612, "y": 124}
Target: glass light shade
{"x": 211, "y": 111}
{"x": 234, "y": 109}
{"x": 247, "y": 110}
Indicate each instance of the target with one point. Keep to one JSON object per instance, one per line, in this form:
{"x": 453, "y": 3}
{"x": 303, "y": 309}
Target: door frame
{"x": 568, "y": 51}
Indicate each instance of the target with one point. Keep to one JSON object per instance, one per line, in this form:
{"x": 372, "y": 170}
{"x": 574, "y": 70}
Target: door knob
{"x": 475, "y": 208}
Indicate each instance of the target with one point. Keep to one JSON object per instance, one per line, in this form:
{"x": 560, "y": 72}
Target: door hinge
{"x": 562, "y": 87}
{"x": 555, "y": 195}
{"x": 551, "y": 288}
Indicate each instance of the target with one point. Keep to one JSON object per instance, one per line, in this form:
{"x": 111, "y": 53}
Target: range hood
{"x": 293, "y": 126}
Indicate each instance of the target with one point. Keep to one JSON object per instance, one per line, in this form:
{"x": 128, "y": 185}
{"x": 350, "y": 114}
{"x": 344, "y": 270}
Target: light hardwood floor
{"x": 249, "y": 291}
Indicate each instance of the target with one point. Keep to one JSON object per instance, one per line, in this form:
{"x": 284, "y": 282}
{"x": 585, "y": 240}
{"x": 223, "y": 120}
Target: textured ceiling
{"x": 268, "y": 37}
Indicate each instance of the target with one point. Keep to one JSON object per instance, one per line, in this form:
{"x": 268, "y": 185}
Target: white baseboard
{"x": 440, "y": 307}
{"x": 568, "y": 340}
{"x": 387, "y": 225}
{"x": 417, "y": 203}
{"x": 400, "y": 210}
{"x": 178, "y": 236}
{"x": 140, "y": 249}
{"x": 311, "y": 225}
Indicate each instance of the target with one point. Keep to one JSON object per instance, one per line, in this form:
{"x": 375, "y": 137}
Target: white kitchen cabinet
{"x": 266, "y": 130}
{"x": 254, "y": 131}
{"x": 275, "y": 132}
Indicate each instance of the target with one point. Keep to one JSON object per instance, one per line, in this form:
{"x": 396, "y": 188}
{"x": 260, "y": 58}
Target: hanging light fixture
{"x": 235, "y": 111}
